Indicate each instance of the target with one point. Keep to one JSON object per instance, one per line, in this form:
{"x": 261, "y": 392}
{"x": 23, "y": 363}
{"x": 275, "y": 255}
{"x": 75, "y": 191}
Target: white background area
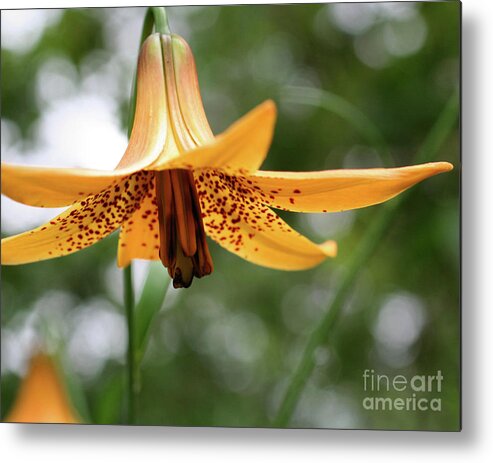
{"x": 62, "y": 443}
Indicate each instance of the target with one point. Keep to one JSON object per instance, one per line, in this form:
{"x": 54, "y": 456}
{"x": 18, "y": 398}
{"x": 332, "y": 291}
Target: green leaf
{"x": 108, "y": 401}
{"x": 150, "y": 303}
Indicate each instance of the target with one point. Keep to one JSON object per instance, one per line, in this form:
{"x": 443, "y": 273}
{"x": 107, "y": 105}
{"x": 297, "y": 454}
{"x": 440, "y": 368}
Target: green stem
{"x": 129, "y": 302}
{"x": 156, "y": 19}
{"x": 160, "y": 19}
{"x": 436, "y": 137}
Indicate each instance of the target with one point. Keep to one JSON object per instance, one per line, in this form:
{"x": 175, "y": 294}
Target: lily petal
{"x": 335, "y": 190}
{"x": 53, "y": 187}
{"x": 188, "y": 91}
{"x": 42, "y": 395}
{"x": 240, "y": 149}
{"x": 151, "y": 124}
{"x": 236, "y": 221}
{"x": 79, "y": 226}
{"x": 57, "y": 187}
{"x": 139, "y": 235}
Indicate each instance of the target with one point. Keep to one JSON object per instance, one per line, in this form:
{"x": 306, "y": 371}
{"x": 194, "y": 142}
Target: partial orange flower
{"x": 42, "y": 397}
{"x": 177, "y": 183}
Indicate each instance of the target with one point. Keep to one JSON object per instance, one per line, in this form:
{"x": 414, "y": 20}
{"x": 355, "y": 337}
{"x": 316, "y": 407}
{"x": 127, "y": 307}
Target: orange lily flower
{"x": 42, "y": 397}
{"x": 178, "y": 182}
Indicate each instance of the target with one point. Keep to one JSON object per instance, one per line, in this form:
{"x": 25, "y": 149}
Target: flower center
{"x": 183, "y": 247}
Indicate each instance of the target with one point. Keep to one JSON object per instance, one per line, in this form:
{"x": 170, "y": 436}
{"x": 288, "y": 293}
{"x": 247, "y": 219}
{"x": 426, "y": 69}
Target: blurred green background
{"x": 222, "y": 352}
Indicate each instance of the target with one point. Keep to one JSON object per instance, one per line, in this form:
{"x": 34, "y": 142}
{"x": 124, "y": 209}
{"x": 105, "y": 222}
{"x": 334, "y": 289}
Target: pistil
{"x": 183, "y": 247}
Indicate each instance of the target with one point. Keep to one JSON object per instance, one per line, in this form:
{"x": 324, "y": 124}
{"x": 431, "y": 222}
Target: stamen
{"x": 183, "y": 247}
{"x": 184, "y": 213}
{"x": 184, "y": 270}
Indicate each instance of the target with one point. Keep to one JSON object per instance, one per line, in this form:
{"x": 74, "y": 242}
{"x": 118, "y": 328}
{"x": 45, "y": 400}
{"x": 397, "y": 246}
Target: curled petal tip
{"x": 437, "y": 167}
{"x": 329, "y": 248}
{"x": 269, "y": 106}
{"x": 446, "y": 166}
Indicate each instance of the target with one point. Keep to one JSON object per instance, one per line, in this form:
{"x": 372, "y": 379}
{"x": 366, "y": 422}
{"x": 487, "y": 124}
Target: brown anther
{"x": 183, "y": 247}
